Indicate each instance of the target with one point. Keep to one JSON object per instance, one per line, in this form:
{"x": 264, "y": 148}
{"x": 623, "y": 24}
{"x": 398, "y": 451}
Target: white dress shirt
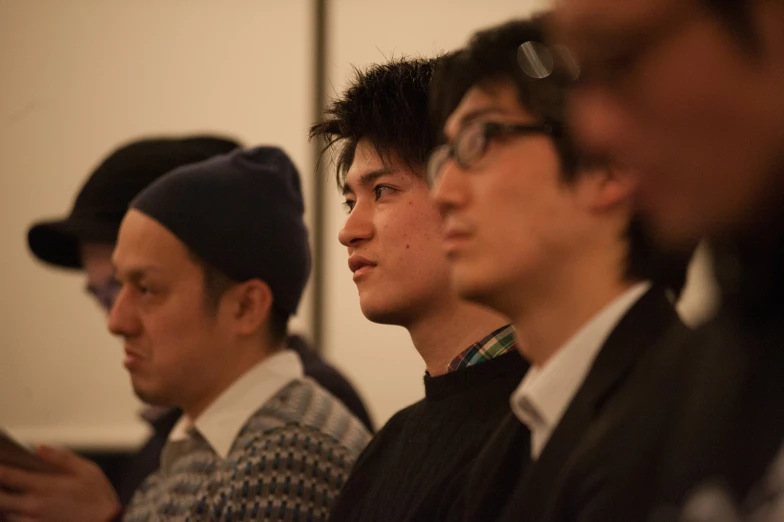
{"x": 546, "y": 391}
{"x": 222, "y": 421}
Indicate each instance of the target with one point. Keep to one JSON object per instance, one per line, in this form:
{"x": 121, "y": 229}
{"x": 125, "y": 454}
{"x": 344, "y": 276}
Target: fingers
{"x": 17, "y": 479}
{"x": 62, "y": 459}
{"x": 15, "y": 507}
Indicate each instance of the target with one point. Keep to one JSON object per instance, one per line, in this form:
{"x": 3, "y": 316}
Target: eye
{"x": 381, "y": 190}
{"x": 612, "y": 66}
{"x": 144, "y": 289}
{"x": 348, "y": 205}
{"x": 470, "y": 145}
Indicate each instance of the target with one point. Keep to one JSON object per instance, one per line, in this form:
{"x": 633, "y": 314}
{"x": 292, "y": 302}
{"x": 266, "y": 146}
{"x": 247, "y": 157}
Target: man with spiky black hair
{"x": 382, "y": 133}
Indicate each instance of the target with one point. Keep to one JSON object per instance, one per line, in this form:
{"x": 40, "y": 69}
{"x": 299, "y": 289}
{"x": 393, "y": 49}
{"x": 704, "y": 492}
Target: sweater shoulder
{"x": 304, "y": 405}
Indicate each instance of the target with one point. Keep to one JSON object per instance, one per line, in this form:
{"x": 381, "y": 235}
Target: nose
{"x": 358, "y": 226}
{"x": 600, "y": 124}
{"x": 122, "y": 319}
{"x": 449, "y": 191}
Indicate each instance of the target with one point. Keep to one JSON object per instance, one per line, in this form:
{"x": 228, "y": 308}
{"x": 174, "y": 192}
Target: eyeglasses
{"x": 471, "y": 143}
{"x": 106, "y": 294}
{"x": 539, "y": 61}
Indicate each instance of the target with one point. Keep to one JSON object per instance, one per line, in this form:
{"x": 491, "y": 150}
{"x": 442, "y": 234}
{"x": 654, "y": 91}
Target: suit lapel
{"x": 635, "y": 333}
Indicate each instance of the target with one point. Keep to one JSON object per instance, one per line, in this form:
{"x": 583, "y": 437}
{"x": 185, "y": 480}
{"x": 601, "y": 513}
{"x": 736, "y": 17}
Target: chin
{"x": 474, "y": 291}
{"x": 469, "y": 282}
{"x": 151, "y": 397}
{"x": 386, "y": 312}
{"x": 483, "y": 287}
{"x": 677, "y": 229}
{"x": 383, "y": 316}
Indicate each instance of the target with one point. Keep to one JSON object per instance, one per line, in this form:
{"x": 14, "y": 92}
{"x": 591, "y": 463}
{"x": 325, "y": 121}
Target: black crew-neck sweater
{"x": 404, "y": 472}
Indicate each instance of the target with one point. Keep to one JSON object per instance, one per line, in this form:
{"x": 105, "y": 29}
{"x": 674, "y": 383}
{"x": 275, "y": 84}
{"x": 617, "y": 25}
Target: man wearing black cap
{"x": 213, "y": 259}
{"x": 85, "y": 239}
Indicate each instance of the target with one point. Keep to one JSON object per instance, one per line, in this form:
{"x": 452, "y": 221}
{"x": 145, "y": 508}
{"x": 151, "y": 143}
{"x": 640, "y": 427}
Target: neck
{"x": 548, "y": 313}
{"x": 224, "y": 373}
{"x": 447, "y": 330}
{"x": 548, "y": 327}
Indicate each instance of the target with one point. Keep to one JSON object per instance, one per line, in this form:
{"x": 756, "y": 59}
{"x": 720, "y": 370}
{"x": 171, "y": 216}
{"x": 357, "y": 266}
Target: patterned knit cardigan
{"x": 288, "y": 463}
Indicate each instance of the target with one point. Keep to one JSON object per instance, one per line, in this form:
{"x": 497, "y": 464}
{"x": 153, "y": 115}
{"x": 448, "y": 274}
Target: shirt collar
{"x": 495, "y": 344}
{"x": 222, "y": 421}
{"x": 546, "y": 391}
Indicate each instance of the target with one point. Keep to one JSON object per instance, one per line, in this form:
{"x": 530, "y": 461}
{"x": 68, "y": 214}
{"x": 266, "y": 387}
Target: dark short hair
{"x": 490, "y": 58}
{"x": 387, "y": 105}
{"x": 736, "y": 17}
{"x": 216, "y": 283}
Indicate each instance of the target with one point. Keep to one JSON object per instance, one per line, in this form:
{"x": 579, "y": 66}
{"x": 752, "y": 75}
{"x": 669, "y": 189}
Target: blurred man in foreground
{"x": 689, "y": 93}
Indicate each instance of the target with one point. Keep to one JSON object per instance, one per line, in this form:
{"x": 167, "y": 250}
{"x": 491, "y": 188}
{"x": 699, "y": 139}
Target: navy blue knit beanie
{"x": 241, "y": 213}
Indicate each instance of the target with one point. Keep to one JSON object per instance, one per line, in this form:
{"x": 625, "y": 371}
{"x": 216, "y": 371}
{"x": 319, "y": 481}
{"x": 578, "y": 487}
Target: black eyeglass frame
{"x": 489, "y": 130}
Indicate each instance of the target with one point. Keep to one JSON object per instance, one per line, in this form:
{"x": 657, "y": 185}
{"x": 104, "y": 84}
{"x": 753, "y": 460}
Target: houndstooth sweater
{"x": 288, "y": 463}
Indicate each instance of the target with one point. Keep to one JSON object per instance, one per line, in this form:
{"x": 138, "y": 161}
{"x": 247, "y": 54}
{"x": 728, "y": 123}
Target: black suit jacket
{"x": 599, "y": 459}
{"x": 731, "y": 423}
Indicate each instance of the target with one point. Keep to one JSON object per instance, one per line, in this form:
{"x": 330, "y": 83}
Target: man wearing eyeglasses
{"x": 86, "y": 238}
{"x": 547, "y": 236}
{"x": 380, "y": 129}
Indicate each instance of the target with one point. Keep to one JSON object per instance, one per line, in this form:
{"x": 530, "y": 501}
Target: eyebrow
{"x": 367, "y": 179}
{"x": 474, "y": 115}
{"x": 93, "y": 287}
{"x": 138, "y": 273}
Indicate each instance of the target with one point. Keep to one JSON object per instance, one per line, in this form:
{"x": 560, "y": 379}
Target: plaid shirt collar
{"x": 497, "y": 343}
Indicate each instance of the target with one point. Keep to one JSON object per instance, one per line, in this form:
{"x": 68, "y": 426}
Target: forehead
{"x": 496, "y": 99}
{"x": 143, "y": 242}
{"x": 365, "y": 158}
{"x": 368, "y": 162}
{"x": 591, "y": 22}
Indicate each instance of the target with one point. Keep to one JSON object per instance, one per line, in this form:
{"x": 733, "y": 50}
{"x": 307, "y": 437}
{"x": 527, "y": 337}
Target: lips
{"x": 358, "y": 262}
{"x": 360, "y": 265}
{"x": 132, "y": 359}
{"x": 454, "y": 239}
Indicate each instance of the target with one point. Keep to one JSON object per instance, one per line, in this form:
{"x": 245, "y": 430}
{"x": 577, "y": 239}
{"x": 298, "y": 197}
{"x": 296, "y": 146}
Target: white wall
{"x": 77, "y": 78}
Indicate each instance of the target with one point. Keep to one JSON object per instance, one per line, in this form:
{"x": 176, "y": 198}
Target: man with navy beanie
{"x": 85, "y": 239}
{"x": 213, "y": 258}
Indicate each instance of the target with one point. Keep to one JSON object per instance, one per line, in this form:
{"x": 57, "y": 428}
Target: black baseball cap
{"x": 103, "y": 200}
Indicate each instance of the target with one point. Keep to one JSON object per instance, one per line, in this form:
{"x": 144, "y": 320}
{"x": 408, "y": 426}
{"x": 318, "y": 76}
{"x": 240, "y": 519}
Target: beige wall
{"x": 78, "y": 77}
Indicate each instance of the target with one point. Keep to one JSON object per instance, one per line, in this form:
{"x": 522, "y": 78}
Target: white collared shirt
{"x": 546, "y": 391}
{"x": 222, "y": 421}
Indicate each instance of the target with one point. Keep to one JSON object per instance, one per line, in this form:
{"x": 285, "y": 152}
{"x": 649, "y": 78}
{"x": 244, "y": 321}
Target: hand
{"x": 76, "y": 490}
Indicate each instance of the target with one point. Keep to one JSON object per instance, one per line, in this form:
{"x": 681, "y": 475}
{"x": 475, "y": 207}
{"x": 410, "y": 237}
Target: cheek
{"x": 413, "y": 231}
{"x": 696, "y": 87}
{"x": 511, "y": 202}
{"x": 178, "y": 326}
